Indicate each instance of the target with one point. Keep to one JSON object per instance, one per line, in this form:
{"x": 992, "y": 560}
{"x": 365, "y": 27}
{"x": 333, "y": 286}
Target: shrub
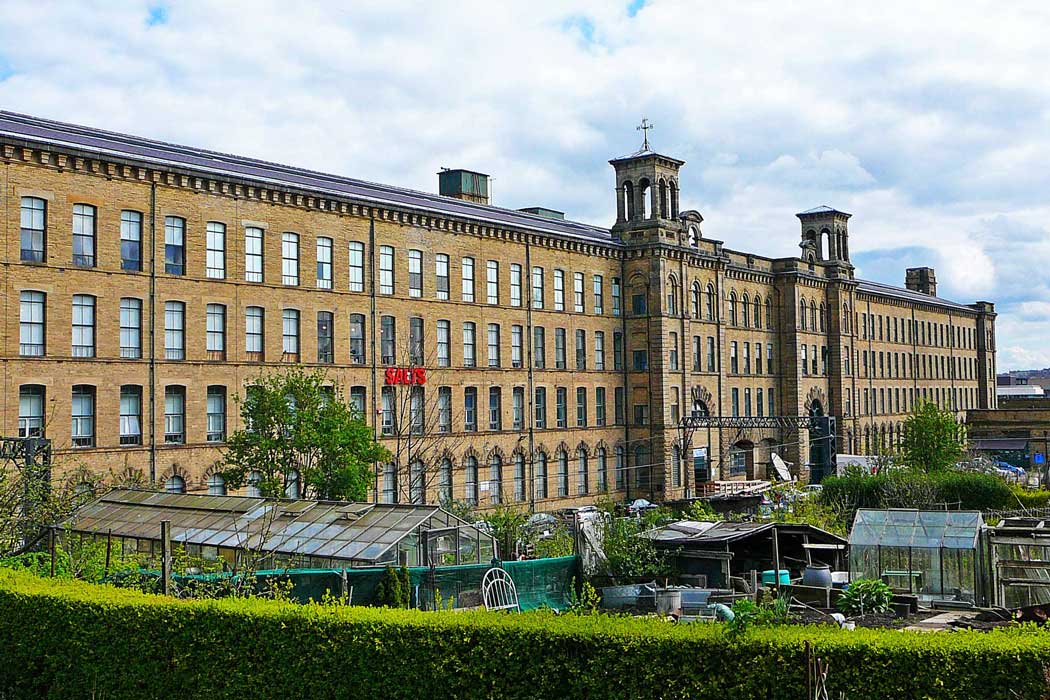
{"x": 1028, "y": 498}
{"x": 865, "y": 596}
{"x": 69, "y": 639}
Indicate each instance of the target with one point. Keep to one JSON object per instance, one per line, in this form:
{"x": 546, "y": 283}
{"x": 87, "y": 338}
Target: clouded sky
{"x": 928, "y": 121}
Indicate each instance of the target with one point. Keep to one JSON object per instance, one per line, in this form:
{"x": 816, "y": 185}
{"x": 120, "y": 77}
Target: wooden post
{"x": 51, "y": 548}
{"x": 776, "y": 560}
{"x": 165, "y": 556}
{"x": 109, "y": 550}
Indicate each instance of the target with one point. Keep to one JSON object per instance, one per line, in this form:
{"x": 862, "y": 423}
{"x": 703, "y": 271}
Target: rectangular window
{"x": 415, "y": 340}
{"x": 518, "y": 400}
{"x": 599, "y": 406}
{"x": 515, "y": 284}
{"x": 470, "y": 409}
{"x": 672, "y": 354}
{"x": 130, "y": 415}
{"x": 697, "y": 362}
{"x": 494, "y": 360}
{"x": 34, "y": 229}
{"x": 131, "y": 328}
{"x": 83, "y": 325}
{"x": 541, "y": 407}
{"x": 216, "y": 331}
{"x": 83, "y": 235}
{"x": 537, "y": 287}
{"x": 31, "y": 324}
{"x": 357, "y": 266}
{"x": 617, "y": 350}
{"x": 619, "y": 404}
{"x": 559, "y": 348}
{"x": 175, "y": 415}
{"x": 492, "y": 282}
{"x": 216, "y": 414}
{"x": 747, "y": 358}
{"x": 174, "y": 245}
{"x": 735, "y": 393}
{"x": 616, "y": 294}
{"x": 131, "y": 241}
{"x": 468, "y": 279}
{"x": 83, "y": 428}
{"x": 599, "y": 350}
{"x": 638, "y": 304}
{"x": 444, "y": 339}
{"x": 324, "y": 263}
{"x": 758, "y": 403}
{"x": 389, "y": 410}
{"x": 387, "y": 340}
{"x": 31, "y": 410}
{"x": 290, "y": 333}
{"x": 469, "y": 341}
{"x": 415, "y": 274}
{"x": 495, "y": 408}
{"x": 357, "y": 339}
{"x": 772, "y": 407}
{"x": 561, "y": 408}
{"x": 559, "y": 290}
{"x": 641, "y": 360}
{"x": 758, "y": 358}
{"x": 581, "y": 349}
{"x": 444, "y": 409}
{"x": 290, "y": 259}
{"x": 805, "y": 360}
{"x": 215, "y": 254}
{"x": 641, "y": 414}
{"x": 734, "y": 360}
{"x": 712, "y": 358}
{"x": 516, "y": 341}
{"x": 441, "y": 275}
{"x": 386, "y": 269}
{"x": 253, "y": 332}
{"x": 813, "y": 359}
{"x": 253, "y": 254}
{"x": 581, "y": 407}
{"x": 747, "y": 402}
{"x": 325, "y": 337}
{"x": 599, "y": 295}
{"x": 577, "y": 292}
{"x": 769, "y": 358}
{"x": 538, "y": 353}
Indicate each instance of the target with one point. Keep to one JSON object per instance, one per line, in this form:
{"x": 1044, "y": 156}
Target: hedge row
{"x": 915, "y": 489}
{"x": 76, "y": 640}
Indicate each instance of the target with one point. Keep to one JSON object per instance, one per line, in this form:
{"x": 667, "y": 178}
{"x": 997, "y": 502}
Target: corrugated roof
{"x": 147, "y": 151}
{"x": 331, "y": 529}
{"x": 908, "y": 295}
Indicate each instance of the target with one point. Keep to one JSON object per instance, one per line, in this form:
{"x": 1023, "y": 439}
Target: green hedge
{"x": 76, "y": 640}
{"x": 915, "y": 489}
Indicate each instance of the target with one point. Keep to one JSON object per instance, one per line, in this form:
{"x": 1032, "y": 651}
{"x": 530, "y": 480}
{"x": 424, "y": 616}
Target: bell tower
{"x": 646, "y": 191}
{"x": 825, "y": 235}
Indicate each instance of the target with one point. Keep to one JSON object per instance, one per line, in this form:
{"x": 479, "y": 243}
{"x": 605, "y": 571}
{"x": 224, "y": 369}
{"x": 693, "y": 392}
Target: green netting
{"x": 540, "y": 582}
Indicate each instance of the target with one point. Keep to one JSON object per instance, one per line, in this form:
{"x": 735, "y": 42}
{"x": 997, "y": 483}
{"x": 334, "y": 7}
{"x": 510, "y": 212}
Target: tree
{"x": 933, "y": 439}
{"x": 298, "y": 427}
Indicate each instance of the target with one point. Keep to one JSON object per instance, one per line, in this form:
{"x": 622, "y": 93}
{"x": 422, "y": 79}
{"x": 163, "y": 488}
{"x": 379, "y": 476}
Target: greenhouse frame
{"x": 281, "y": 533}
{"x": 936, "y": 555}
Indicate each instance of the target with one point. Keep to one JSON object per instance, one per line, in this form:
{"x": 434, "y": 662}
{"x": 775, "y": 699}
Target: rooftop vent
{"x": 464, "y": 184}
{"x": 545, "y": 212}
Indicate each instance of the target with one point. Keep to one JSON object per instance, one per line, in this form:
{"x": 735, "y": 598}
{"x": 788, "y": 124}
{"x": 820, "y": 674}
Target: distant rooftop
{"x": 822, "y": 209}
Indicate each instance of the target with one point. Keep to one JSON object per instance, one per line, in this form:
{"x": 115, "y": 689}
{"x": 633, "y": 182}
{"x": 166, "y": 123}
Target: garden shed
{"x": 936, "y": 555}
{"x": 282, "y": 533}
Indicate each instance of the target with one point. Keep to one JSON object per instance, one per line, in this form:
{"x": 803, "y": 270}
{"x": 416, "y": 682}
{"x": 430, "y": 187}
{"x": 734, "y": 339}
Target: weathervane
{"x": 644, "y": 128}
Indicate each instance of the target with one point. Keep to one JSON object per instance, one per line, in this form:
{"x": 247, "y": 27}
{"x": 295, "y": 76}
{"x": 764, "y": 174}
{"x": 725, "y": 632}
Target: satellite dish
{"x": 781, "y": 467}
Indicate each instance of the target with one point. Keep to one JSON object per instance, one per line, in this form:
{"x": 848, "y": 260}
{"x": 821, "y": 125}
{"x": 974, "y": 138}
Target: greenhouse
{"x": 281, "y": 533}
{"x": 935, "y": 555}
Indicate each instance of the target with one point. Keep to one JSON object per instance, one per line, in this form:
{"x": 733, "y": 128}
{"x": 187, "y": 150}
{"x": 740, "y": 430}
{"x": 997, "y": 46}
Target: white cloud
{"x": 927, "y": 121}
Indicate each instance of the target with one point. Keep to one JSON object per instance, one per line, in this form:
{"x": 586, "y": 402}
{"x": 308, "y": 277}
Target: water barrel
{"x": 817, "y": 575}
{"x": 769, "y": 578}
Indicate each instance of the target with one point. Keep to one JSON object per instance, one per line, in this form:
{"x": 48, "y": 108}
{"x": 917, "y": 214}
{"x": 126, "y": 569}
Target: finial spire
{"x": 644, "y": 128}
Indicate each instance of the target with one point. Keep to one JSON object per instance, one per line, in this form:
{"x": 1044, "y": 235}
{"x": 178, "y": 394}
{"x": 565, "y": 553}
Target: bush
{"x": 865, "y": 596}
{"x": 1029, "y": 498}
{"x": 68, "y": 639}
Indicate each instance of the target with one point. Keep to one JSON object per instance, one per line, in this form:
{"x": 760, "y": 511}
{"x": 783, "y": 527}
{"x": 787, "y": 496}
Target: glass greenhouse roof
{"x": 932, "y": 529}
{"x": 337, "y": 529}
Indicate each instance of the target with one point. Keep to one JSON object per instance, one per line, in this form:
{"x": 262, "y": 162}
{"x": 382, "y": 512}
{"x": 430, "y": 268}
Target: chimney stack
{"x": 922, "y": 280}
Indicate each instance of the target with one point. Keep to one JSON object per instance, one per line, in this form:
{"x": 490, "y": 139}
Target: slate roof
{"x": 887, "y": 290}
{"x": 44, "y": 132}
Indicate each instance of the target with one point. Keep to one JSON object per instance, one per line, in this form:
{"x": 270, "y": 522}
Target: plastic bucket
{"x": 769, "y": 578}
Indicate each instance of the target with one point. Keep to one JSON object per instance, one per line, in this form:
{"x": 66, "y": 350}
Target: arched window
{"x": 694, "y": 236}
{"x": 603, "y": 470}
{"x": 732, "y": 308}
{"x": 672, "y": 295}
{"x": 470, "y": 473}
{"x": 563, "y": 473}
{"x": 745, "y": 307}
{"x": 823, "y": 317}
{"x": 758, "y": 311}
{"x": 674, "y": 199}
{"x": 769, "y": 313}
{"x": 416, "y": 482}
{"x": 620, "y": 469}
{"x": 845, "y": 318}
{"x": 802, "y": 314}
{"x": 582, "y": 476}
{"x": 696, "y": 300}
{"x": 519, "y": 477}
{"x": 253, "y": 481}
{"x": 445, "y": 481}
{"x": 709, "y": 311}
{"x": 175, "y": 484}
{"x": 628, "y": 199}
{"x": 663, "y": 199}
{"x": 292, "y": 488}
{"x": 641, "y": 466}
{"x": 216, "y": 485}
{"x": 812, "y": 315}
{"x": 645, "y": 196}
{"x": 541, "y": 475}
{"x": 496, "y": 479}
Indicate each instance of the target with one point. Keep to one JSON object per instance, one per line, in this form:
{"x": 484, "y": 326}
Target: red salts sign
{"x": 409, "y": 376}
